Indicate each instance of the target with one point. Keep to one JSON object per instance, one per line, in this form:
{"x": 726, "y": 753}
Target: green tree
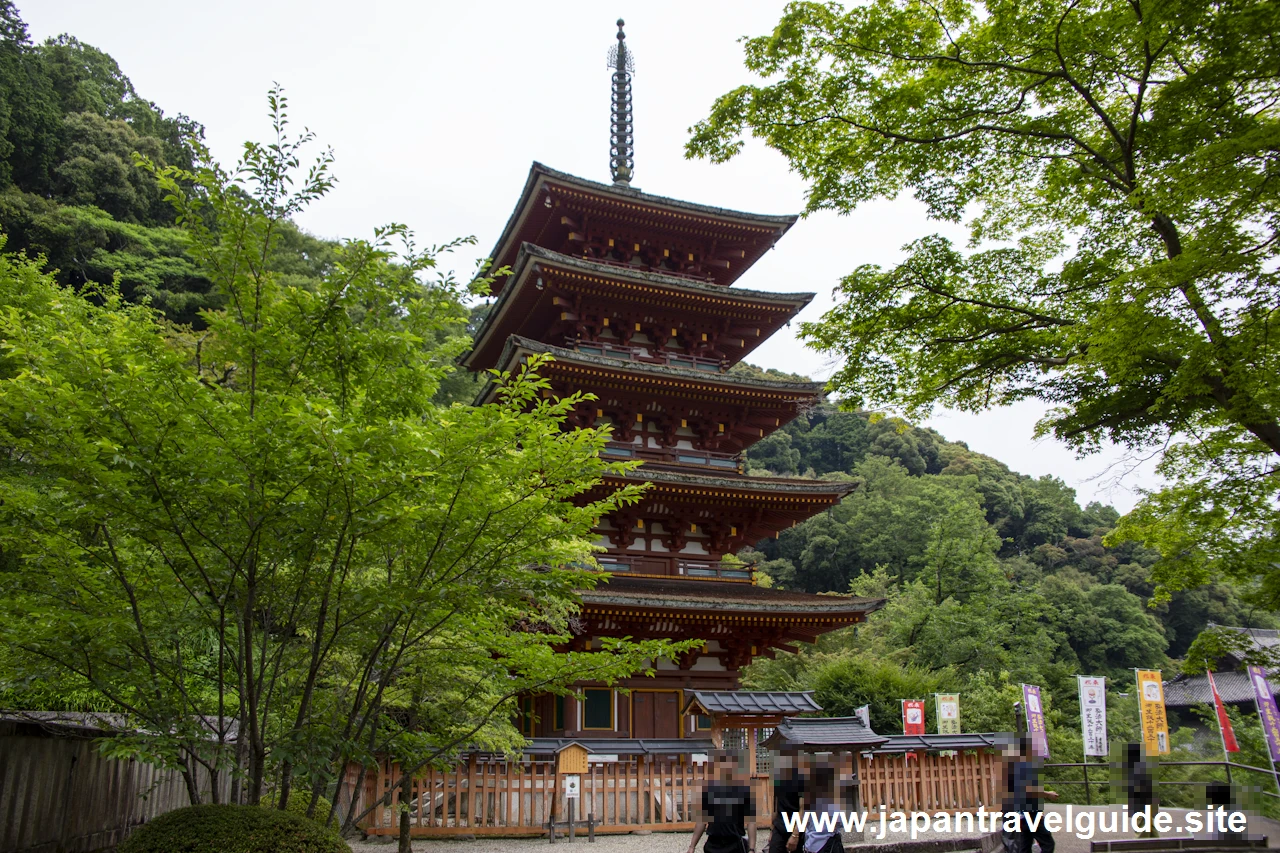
{"x": 1123, "y": 155}
{"x": 29, "y": 115}
{"x": 848, "y": 683}
{"x": 1109, "y": 628}
{"x": 269, "y": 528}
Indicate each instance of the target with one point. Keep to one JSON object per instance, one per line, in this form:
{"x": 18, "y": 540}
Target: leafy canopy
{"x": 266, "y": 543}
{"x": 1118, "y": 162}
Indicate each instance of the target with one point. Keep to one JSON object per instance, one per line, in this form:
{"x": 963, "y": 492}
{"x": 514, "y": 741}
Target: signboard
{"x": 1093, "y": 713}
{"x": 572, "y": 786}
{"x": 1224, "y": 722}
{"x": 912, "y": 717}
{"x": 572, "y": 758}
{"x": 1035, "y": 720}
{"x": 948, "y": 713}
{"x": 1155, "y": 726}
{"x": 1266, "y": 710}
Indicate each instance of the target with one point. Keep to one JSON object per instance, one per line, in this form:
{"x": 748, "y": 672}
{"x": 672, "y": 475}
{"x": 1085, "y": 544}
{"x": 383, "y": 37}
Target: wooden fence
{"x": 60, "y": 795}
{"x": 494, "y": 797}
{"x": 930, "y": 781}
{"x": 485, "y": 796}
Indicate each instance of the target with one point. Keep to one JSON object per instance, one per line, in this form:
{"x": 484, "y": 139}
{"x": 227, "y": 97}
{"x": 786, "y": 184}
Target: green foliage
{"x": 299, "y": 804}
{"x": 915, "y": 526}
{"x": 1118, "y": 165}
{"x": 849, "y": 683}
{"x": 232, "y": 829}
{"x": 745, "y": 369}
{"x": 71, "y": 125}
{"x": 271, "y": 524}
{"x": 85, "y": 245}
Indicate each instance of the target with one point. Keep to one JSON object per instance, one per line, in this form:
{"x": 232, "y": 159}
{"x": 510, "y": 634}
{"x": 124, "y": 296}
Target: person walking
{"x": 789, "y": 790}
{"x": 1026, "y": 798}
{"x": 1141, "y": 787}
{"x": 728, "y": 814}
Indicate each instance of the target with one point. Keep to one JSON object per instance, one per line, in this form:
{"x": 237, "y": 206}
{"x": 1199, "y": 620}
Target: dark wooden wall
{"x": 58, "y": 794}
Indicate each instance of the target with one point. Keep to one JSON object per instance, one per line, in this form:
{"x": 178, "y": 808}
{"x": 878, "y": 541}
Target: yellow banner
{"x": 1155, "y": 726}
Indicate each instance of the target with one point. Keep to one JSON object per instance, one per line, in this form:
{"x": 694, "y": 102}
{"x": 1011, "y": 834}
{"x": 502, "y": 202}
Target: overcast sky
{"x": 435, "y": 111}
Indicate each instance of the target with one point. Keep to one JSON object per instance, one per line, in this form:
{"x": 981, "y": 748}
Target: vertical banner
{"x": 1224, "y": 722}
{"x": 1035, "y": 720}
{"x": 1266, "y": 710}
{"x": 948, "y": 705}
{"x": 912, "y": 717}
{"x": 864, "y": 714}
{"x": 1155, "y": 726}
{"x": 1093, "y": 713}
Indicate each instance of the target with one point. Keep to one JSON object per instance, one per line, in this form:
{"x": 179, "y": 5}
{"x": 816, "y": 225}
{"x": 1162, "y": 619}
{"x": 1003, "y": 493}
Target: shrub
{"x": 298, "y": 803}
{"x": 232, "y": 829}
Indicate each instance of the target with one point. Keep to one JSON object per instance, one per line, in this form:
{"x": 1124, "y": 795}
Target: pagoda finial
{"x": 622, "y": 159}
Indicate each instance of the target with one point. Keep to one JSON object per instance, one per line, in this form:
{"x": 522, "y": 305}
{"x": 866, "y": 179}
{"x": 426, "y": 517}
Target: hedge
{"x": 232, "y": 829}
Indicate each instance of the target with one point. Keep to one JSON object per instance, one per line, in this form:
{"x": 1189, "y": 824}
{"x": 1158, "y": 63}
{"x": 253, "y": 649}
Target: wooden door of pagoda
{"x": 655, "y": 713}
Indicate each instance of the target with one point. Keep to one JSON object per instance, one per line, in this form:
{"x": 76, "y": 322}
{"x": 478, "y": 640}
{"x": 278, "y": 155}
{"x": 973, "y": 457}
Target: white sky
{"x": 435, "y": 111}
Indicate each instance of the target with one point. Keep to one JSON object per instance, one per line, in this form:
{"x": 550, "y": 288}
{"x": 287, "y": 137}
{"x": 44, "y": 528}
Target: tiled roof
{"x": 768, "y": 484}
{"x": 682, "y": 594}
{"x": 539, "y": 171}
{"x": 935, "y": 743}
{"x": 672, "y": 284}
{"x": 621, "y": 746}
{"x": 1186, "y": 691}
{"x": 783, "y": 221}
{"x": 824, "y": 732}
{"x": 103, "y": 723}
{"x": 515, "y": 342}
{"x": 799, "y": 300}
{"x": 746, "y": 702}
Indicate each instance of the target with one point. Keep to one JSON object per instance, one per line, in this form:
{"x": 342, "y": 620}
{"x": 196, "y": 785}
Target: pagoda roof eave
{"x": 778, "y": 485}
{"x": 516, "y": 345}
{"x": 683, "y": 594}
{"x": 530, "y": 254}
{"x": 538, "y": 172}
{"x": 741, "y": 294}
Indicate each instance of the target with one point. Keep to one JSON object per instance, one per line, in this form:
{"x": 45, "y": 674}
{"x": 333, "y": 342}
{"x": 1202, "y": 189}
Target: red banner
{"x": 912, "y": 717}
{"x": 1224, "y": 722}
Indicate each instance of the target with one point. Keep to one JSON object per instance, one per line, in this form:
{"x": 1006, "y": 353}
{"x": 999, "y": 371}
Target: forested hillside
{"x": 72, "y": 127}
{"x": 992, "y": 577}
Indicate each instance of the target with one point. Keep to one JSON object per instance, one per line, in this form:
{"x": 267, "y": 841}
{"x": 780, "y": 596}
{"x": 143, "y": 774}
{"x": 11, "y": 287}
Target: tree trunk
{"x": 193, "y": 786}
{"x": 237, "y": 775}
{"x": 286, "y": 782}
{"x": 406, "y": 791}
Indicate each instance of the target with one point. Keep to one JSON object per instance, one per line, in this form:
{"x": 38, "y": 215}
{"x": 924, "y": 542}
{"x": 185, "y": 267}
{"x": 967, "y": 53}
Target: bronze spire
{"x": 622, "y": 160}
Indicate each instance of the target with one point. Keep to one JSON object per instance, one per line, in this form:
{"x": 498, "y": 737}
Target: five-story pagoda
{"x": 633, "y": 296}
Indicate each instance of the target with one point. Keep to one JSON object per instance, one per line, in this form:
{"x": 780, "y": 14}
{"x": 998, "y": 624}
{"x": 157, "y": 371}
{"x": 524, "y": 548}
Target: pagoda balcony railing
{"x": 672, "y": 359}
{"x": 644, "y": 564}
{"x": 676, "y": 456}
{"x": 701, "y": 277}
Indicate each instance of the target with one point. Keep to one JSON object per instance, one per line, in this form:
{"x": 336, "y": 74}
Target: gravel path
{"x": 678, "y": 842}
{"x": 658, "y": 842}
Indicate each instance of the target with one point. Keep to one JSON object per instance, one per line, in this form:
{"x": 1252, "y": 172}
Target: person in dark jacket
{"x": 728, "y": 814}
{"x": 1026, "y": 796}
{"x": 1140, "y": 785}
{"x": 789, "y": 789}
